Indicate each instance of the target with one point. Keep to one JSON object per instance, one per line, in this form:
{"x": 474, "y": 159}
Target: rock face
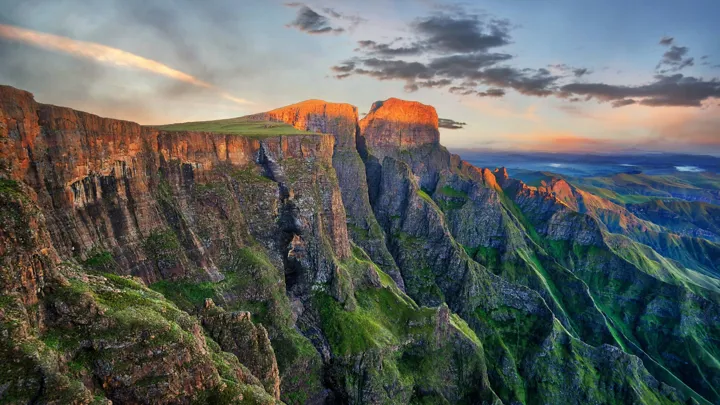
{"x": 236, "y": 333}
{"x": 397, "y": 124}
{"x": 364, "y": 264}
{"x": 341, "y": 121}
{"x": 319, "y": 116}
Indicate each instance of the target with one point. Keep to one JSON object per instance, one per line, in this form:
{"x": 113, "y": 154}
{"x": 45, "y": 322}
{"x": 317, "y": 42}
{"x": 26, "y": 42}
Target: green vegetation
{"x": 237, "y": 126}
{"x": 425, "y": 196}
{"x": 186, "y": 294}
{"x": 10, "y": 187}
{"x": 625, "y": 188}
{"x": 100, "y": 260}
{"x": 164, "y": 248}
{"x": 451, "y": 192}
{"x": 683, "y": 217}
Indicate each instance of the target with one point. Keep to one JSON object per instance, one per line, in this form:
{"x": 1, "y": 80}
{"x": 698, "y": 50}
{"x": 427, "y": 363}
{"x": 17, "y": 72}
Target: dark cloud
{"x": 464, "y": 66}
{"x": 530, "y": 82}
{"x": 455, "y": 52}
{"x": 463, "y": 91}
{"x": 373, "y": 48}
{"x": 346, "y": 67}
{"x": 492, "y": 92}
{"x": 411, "y": 87}
{"x": 383, "y": 69}
{"x": 428, "y": 84}
{"x": 674, "y": 90}
{"x": 461, "y": 33}
{"x": 451, "y": 124}
{"x": 307, "y": 20}
{"x": 675, "y": 59}
{"x": 441, "y": 72}
{"x": 623, "y": 102}
{"x": 667, "y": 41}
{"x": 580, "y": 72}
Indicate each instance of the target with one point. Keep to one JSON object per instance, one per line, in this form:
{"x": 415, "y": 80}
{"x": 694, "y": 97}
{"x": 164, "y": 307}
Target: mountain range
{"x": 305, "y": 256}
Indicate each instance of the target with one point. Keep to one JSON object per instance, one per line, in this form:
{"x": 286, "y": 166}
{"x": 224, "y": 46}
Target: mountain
{"x": 305, "y": 256}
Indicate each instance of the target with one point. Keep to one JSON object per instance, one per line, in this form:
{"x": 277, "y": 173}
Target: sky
{"x": 528, "y": 75}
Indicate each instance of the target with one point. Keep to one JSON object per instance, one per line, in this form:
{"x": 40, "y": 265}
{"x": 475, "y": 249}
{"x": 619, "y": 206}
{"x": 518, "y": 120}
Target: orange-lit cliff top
{"x": 410, "y": 112}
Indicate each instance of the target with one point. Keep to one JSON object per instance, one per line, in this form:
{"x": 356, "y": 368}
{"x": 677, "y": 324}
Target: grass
{"x": 237, "y": 126}
{"x": 626, "y": 188}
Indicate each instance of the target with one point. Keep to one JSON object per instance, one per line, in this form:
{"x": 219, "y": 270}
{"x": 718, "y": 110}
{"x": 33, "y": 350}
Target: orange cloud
{"x": 551, "y": 141}
{"x": 678, "y": 129}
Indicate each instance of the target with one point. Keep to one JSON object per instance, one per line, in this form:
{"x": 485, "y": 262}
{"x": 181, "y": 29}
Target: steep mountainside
{"x": 337, "y": 261}
{"x": 694, "y": 219}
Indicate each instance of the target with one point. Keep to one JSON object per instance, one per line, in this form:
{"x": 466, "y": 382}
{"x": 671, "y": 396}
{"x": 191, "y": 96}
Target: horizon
{"x": 505, "y": 77}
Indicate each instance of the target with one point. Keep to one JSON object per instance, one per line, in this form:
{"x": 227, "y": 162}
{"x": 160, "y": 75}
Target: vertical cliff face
{"x": 98, "y": 179}
{"x": 319, "y": 116}
{"x": 174, "y": 208}
{"x": 341, "y": 121}
{"x": 399, "y": 124}
{"x": 362, "y": 264}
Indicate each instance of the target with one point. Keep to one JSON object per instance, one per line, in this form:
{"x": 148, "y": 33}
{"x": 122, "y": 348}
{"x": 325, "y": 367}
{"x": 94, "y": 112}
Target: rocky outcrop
{"x": 394, "y": 125}
{"x": 87, "y": 338}
{"x": 341, "y": 121}
{"x": 235, "y": 333}
{"x": 319, "y": 116}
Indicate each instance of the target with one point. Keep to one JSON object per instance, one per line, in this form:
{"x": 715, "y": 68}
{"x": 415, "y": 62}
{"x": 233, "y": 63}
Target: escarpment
{"x": 352, "y": 262}
{"x": 341, "y": 121}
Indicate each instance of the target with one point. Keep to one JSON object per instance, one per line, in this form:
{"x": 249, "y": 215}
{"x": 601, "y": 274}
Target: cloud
{"x": 465, "y": 65}
{"x": 461, "y": 33}
{"x": 354, "y": 20}
{"x": 347, "y": 67}
{"x": 667, "y": 41}
{"x": 492, "y": 92}
{"x": 456, "y": 51}
{"x": 675, "y": 59}
{"x": 623, "y": 102}
{"x": 451, "y": 124}
{"x": 308, "y": 21}
{"x": 530, "y": 82}
{"x": 107, "y": 55}
{"x": 564, "y": 69}
{"x": 452, "y": 51}
{"x": 373, "y": 48}
{"x": 463, "y": 91}
{"x": 675, "y": 90}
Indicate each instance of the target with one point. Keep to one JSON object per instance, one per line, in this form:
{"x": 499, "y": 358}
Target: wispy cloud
{"x": 107, "y": 55}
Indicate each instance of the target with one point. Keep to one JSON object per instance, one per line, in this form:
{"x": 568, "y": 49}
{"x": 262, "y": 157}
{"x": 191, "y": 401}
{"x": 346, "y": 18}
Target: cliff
{"x": 396, "y": 124}
{"x": 350, "y": 262}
